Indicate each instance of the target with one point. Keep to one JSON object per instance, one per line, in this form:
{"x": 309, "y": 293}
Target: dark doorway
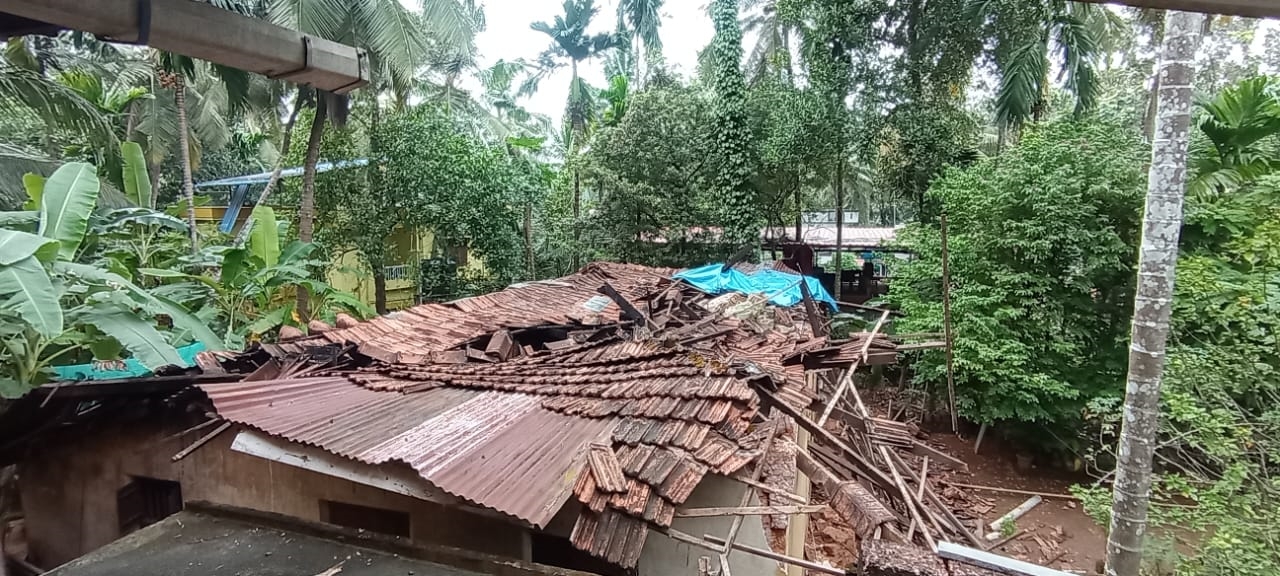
{"x": 145, "y": 501}
{"x": 380, "y": 520}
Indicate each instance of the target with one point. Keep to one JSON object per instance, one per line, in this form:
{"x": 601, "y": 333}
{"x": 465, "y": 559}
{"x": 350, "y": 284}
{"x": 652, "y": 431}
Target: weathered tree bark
{"x": 380, "y": 289}
{"x": 307, "y": 209}
{"x": 1158, "y": 258}
{"x": 799, "y": 213}
{"x": 285, "y": 140}
{"x": 184, "y": 151}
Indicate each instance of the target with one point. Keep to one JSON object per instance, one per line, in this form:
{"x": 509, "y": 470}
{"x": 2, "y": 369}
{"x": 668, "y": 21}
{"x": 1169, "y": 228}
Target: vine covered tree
{"x": 732, "y": 132}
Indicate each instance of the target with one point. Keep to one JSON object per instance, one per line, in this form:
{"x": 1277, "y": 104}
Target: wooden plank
{"x": 772, "y": 490}
{"x": 401, "y": 480}
{"x": 932, "y": 498}
{"x": 921, "y": 449}
{"x": 782, "y": 558}
{"x": 201, "y": 442}
{"x": 811, "y": 312}
{"x": 749, "y": 511}
{"x": 907, "y": 499}
{"x": 630, "y": 312}
{"x": 924, "y": 478}
{"x": 1012, "y": 491}
{"x": 863, "y": 468}
{"x": 606, "y": 469}
{"x": 748, "y": 493}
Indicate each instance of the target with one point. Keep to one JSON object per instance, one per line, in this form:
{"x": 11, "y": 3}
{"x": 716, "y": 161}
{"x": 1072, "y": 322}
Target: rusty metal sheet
{"x": 501, "y": 451}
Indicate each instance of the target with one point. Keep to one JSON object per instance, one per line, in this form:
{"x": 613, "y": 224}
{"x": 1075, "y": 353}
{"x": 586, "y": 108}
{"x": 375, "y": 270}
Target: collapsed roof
{"x": 518, "y": 400}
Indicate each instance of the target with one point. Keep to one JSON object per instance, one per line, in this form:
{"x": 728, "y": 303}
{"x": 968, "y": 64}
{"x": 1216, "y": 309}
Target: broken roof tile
{"x": 605, "y": 468}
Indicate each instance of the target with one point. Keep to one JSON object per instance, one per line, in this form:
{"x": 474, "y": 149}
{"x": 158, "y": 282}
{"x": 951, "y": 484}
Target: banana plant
{"x": 255, "y": 287}
{"x": 54, "y": 309}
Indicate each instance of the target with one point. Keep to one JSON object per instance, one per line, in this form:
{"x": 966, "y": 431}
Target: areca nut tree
{"x": 1027, "y": 34}
{"x": 1153, "y": 304}
{"x": 570, "y": 41}
{"x": 641, "y": 20}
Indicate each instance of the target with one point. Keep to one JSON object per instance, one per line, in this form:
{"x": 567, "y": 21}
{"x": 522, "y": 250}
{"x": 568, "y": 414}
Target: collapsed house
{"x": 614, "y": 421}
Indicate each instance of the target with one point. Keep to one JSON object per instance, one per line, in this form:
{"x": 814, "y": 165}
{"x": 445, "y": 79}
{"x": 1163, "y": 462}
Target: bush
{"x": 1042, "y": 265}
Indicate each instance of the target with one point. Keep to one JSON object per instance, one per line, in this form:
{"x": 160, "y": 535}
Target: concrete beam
{"x": 1249, "y": 8}
{"x": 208, "y": 33}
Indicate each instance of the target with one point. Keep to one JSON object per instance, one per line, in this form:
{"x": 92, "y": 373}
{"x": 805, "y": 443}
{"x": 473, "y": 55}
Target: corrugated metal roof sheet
{"x": 502, "y": 451}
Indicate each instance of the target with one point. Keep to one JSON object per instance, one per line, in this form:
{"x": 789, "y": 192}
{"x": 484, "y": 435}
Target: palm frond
{"x": 323, "y": 18}
{"x": 391, "y": 32}
{"x": 1021, "y": 85}
{"x": 1078, "y": 48}
{"x": 57, "y": 105}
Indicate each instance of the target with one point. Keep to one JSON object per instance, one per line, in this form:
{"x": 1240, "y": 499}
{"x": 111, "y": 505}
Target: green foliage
{"x": 734, "y": 158}
{"x": 55, "y": 308}
{"x": 1042, "y": 254}
{"x": 455, "y": 186}
{"x": 1239, "y": 127}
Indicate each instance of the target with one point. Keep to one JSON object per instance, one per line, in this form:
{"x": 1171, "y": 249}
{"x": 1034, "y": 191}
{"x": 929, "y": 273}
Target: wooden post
{"x": 946, "y": 327}
{"x": 798, "y": 526}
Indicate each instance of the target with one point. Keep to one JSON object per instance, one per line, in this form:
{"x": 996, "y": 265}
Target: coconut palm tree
{"x": 397, "y": 40}
{"x": 571, "y": 43}
{"x": 639, "y": 21}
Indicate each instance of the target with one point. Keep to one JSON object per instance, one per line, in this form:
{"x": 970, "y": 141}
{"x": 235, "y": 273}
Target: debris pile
{"x": 687, "y": 383}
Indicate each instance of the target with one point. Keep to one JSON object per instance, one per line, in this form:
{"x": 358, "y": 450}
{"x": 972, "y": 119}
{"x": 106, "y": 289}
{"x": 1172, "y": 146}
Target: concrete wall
{"x": 69, "y": 490}
{"x": 663, "y": 556}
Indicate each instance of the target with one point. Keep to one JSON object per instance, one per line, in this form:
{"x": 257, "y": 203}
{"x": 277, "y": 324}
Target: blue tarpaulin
{"x": 131, "y": 369}
{"x": 782, "y": 288}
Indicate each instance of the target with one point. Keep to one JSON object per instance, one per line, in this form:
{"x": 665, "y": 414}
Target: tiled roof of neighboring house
{"x": 824, "y": 235}
{"x": 626, "y": 420}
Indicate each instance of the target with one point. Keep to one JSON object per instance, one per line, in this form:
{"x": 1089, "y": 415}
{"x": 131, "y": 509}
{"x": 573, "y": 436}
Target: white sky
{"x": 686, "y": 29}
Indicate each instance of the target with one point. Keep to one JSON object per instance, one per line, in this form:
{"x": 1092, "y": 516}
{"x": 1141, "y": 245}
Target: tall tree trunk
{"x": 799, "y": 213}
{"x": 839, "y": 225}
{"x": 380, "y": 288}
{"x": 577, "y": 214}
{"x": 531, "y": 271}
{"x": 1158, "y": 258}
{"x": 577, "y": 183}
{"x": 307, "y": 209}
{"x": 285, "y": 140}
{"x": 153, "y": 171}
{"x": 184, "y": 151}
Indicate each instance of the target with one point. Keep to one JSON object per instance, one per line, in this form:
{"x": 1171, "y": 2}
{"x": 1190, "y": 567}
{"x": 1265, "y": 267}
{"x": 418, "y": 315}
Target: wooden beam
{"x": 401, "y": 481}
{"x": 749, "y": 511}
{"x": 1248, "y": 8}
{"x": 865, "y": 469}
{"x": 772, "y": 490}
{"x": 209, "y": 33}
{"x": 201, "y": 441}
{"x": 921, "y": 449}
{"x": 782, "y": 558}
{"x": 629, "y": 310}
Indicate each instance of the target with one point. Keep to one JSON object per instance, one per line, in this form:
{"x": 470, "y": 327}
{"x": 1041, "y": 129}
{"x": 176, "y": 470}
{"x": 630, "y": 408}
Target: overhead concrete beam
{"x": 208, "y": 33}
{"x": 1249, "y": 8}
